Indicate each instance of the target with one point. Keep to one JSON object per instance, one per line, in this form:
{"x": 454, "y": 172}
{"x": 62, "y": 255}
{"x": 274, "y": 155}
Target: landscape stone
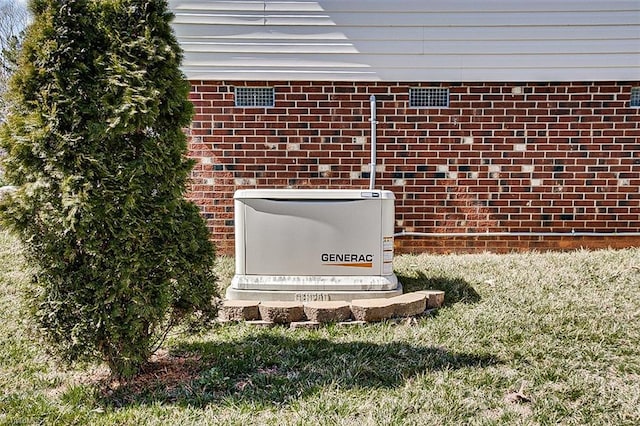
{"x": 261, "y": 323}
{"x": 372, "y": 309}
{"x": 327, "y": 311}
{"x": 409, "y": 304}
{"x": 351, "y": 323}
{"x": 239, "y": 310}
{"x": 435, "y": 298}
{"x": 305, "y": 324}
{"x": 6, "y": 190}
{"x": 281, "y": 312}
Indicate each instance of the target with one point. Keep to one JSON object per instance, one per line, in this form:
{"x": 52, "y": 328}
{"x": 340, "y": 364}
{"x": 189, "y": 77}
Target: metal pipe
{"x": 516, "y": 234}
{"x": 374, "y": 131}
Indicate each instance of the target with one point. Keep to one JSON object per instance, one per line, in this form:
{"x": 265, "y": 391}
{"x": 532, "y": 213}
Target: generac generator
{"x": 310, "y": 244}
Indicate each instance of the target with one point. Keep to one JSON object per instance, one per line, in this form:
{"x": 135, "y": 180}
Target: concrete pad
{"x": 409, "y": 304}
{"x": 239, "y": 310}
{"x": 281, "y": 312}
{"x": 327, "y": 311}
{"x": 304, "y": 296}
{"x": 372, "y": 309}
{"x": 435, "y": 298}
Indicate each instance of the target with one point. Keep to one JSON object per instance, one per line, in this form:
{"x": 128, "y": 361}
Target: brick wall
{"x": 525, "y": 157}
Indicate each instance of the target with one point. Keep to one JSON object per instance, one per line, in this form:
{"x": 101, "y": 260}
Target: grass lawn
{"x": 537, "y": 338}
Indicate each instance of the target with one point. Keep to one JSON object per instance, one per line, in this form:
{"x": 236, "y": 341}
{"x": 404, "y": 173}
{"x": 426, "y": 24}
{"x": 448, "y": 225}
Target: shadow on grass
{"x": 269, "y": 369}
{"x": 456, "y": 290}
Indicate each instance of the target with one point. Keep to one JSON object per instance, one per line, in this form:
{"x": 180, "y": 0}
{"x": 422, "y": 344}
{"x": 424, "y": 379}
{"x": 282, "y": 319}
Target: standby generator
{"x": 311, "y": 244}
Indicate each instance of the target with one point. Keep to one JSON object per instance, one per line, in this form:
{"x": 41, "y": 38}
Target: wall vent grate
{"x": 254, "y": 96}
{"x": 428, "y": 97}
{"x": 635, "y": 97}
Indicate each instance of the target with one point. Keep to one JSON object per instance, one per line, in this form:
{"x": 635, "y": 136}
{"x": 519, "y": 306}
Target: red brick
{"x": 577, "y": 155}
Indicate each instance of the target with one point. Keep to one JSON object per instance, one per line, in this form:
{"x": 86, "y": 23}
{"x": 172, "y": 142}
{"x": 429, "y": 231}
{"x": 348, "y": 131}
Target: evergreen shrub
{"x": 95, "y": 144}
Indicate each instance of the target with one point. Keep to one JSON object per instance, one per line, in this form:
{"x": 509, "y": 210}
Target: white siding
{"x": 410, "y": 40}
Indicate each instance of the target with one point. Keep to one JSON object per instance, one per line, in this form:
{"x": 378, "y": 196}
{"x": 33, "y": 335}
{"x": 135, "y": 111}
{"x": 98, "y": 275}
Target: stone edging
{"x": 311, "y": 314}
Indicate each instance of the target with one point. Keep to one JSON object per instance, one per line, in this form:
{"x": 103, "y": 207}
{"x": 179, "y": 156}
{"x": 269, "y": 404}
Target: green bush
{"x": 95, "y": 144}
